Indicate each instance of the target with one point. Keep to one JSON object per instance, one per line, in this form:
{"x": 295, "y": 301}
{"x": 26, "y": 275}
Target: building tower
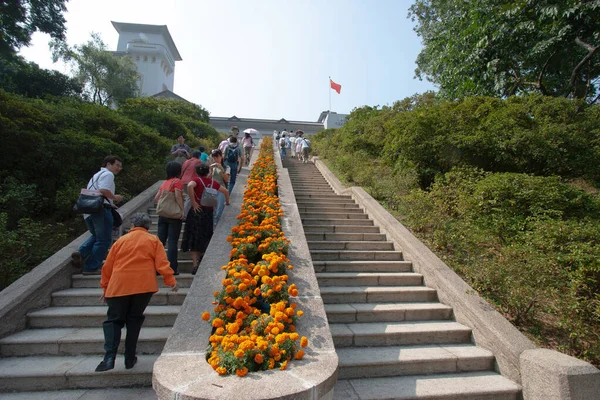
{"x": 153, "y": 51}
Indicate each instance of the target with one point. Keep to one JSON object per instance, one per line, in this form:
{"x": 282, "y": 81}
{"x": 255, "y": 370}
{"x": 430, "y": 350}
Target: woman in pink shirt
{"x": 188, "y": 172}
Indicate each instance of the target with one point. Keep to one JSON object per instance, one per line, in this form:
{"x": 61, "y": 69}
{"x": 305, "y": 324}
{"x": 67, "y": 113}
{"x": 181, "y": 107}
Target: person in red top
{"x": 169, "y": 229}
{"x": 199, "y": 221}
{"x": 129, "y": 281}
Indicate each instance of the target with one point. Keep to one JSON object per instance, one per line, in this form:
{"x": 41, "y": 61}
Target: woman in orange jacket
{"x": 129, "y": 281}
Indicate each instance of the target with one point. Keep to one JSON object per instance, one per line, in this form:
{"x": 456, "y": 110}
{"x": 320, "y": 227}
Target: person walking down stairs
{"x": 128, "y": 283}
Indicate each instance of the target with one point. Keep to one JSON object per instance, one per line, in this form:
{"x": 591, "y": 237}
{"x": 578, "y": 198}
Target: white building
{"x": 153, "y": 51}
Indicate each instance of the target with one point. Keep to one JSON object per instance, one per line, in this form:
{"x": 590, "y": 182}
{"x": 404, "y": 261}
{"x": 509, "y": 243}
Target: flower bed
{"x": 253, "y": 320}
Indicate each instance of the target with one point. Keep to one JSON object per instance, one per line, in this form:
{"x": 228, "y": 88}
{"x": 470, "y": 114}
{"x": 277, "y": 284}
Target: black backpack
{"x": 231, "y": 155}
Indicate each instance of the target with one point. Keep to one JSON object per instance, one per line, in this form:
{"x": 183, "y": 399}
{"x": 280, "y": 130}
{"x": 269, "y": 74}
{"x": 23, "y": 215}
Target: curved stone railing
{"x": 182, "y": 372}
{"x": 544, "y": 374}
{"x": 33, "y": 290}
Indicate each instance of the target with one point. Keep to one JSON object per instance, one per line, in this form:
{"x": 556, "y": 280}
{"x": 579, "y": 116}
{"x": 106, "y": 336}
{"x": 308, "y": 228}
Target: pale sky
{"x": 268, "y": 58}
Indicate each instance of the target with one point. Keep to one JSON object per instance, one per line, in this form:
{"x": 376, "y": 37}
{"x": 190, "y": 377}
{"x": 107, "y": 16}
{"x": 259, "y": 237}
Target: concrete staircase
{"x": 63, "y": 344}
{"x": 393, "y": 338}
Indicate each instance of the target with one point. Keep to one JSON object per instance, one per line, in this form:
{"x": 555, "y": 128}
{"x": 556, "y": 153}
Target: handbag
{"x": 90, "y": 200}
{"x": 210, "y": 196}
{"x": 117, "y": 219}
{"x": 167, "y": 204}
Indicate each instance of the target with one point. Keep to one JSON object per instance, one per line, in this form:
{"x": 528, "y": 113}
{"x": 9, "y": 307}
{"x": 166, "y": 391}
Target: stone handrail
{"x": 544, "y": 374}
{"x": 182, "y": 370}
{"x": 33, "y": 290}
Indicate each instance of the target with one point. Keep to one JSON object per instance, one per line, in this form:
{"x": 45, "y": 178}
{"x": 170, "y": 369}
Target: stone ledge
{"x": 548, "y": 374}
{"x": 33, "y": 290}
{"x": 182, "y": 371}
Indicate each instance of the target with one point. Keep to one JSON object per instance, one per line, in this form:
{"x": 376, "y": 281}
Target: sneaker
{"x": 76, "y": 259}
{"x": 92, "y": 272}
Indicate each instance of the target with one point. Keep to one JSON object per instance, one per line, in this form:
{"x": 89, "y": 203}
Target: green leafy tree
{"x": 108, "y": 79}
{"x": 28, "y": 79}
{"x": 19, "y": 19}
{"x": 501, "y": 48}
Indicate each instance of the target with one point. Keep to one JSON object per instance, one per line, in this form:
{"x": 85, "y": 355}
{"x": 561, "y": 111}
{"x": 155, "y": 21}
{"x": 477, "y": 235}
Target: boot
{"x": 130, "y": 362}
{"x": 106, "y": 364}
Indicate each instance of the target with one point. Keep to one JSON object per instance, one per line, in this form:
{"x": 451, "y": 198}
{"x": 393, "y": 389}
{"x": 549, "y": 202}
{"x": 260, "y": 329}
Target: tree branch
{"x": 542, "y": 72}
{"x": 591, "y": 53}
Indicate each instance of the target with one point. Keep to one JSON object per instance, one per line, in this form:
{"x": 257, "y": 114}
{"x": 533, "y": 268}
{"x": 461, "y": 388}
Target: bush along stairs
{"x": 64, "y": 343}
{"x": 394, "y": 339}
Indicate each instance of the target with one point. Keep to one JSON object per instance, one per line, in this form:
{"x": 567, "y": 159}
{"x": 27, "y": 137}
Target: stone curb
{"x": 182, "y": 371}
{"x": 33, "y": 290}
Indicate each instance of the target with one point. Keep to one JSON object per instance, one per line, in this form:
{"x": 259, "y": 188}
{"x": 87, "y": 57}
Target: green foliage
{"x": 19, "y": 19}
{"x": 28, "y": 79}
{"x": 107, "y": 79}
{"x": 173, "y": 118}
{"x": 483, "y": 182}
{"x": 500, "y": 48}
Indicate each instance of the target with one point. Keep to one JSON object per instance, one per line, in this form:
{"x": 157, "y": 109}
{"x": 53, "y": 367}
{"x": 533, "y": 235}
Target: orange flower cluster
{"x": 253, "y": 321}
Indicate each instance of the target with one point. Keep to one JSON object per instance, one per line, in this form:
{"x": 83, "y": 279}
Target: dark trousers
{"x": 124, "y": 311}
{"x": 169, "y": 230}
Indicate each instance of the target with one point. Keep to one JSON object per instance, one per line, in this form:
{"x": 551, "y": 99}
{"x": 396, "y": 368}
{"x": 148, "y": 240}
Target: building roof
{"x": 167, "y": 94}
{"x": 143, "y": 28}
{"x": 282, "y": 121}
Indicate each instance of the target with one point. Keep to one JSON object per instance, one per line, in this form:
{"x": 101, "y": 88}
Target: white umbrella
{"x": 251, "y": 131}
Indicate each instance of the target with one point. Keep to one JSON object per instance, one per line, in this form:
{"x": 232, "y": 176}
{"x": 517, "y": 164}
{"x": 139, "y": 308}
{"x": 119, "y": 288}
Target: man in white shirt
{"x": 100, "y": 224}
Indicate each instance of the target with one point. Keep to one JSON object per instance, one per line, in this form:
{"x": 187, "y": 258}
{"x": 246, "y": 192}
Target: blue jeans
{"x": 219, "y": 209}
{"x": 233, "y": 176}
{"x": 94, "y": 250}
{"x": 283, "y": 153}
{"x": 169, "y": 230}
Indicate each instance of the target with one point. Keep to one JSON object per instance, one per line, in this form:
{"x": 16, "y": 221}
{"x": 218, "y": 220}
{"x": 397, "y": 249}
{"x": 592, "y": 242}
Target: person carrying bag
{"x": 170, "y": 208}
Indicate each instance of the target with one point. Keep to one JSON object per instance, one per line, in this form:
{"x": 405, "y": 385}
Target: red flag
{"x": 335, "y": 86}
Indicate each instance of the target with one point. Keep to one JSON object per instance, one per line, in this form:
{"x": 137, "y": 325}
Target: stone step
{"x": 308, "y": 196}
{"x": 349, "y": 245}
{"x": 371, "y": 237}
{"x": 76, "y": 341}
{"x": 349, "y": 207}
{"x": 91, "y": 297}
{"x": 357, "y": 255}
{"x": 94, "y": 316}
{"x": 375, "y": 362}
{"x": 316, "y": 202}
{"x": 463, "y": 386}
{"x": 377, "y": 294}
{"x": 326, "y": 279}
{"x": 327, "y": 216}
{"x": 330, "y": 210}
{"x": 184, "y": 280}
{"x": 146, "y": 393}
{"x": 76, "y": 372}
{"x": 362, "y": 266}
{"x": 386, "y": 312}
{"x": 320, "y": 228}
{"x": 335, "y": 221}
{"x": 399, "y": 333}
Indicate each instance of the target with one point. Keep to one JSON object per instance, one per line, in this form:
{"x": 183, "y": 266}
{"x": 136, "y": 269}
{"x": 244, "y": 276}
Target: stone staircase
{"x": 393, "y": 338}
{"x": 64, "y": 342}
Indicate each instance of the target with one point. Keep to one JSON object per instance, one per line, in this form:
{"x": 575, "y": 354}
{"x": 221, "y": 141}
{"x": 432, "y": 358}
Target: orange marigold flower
{"x": 234, "y": 328}
{"x": 206, "y": 315}
{"x": 221, "y": 370}
{"x": 275, "y": 330}
{"x": 303, "y": 341}
{"x": 241, "y": 372}
{"x": 217, "y": 322}
{"x": 283, "y": 365}
{"x": 258, "y": 358}
{"x": 300, "y": 313}
{"x": 299, "y": 355}
{"x": 239, "y": 353}
{"x": 220, "y": 331}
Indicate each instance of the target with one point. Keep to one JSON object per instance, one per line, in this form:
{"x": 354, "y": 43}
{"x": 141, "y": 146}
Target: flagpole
{"x": 330, "y": 94}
